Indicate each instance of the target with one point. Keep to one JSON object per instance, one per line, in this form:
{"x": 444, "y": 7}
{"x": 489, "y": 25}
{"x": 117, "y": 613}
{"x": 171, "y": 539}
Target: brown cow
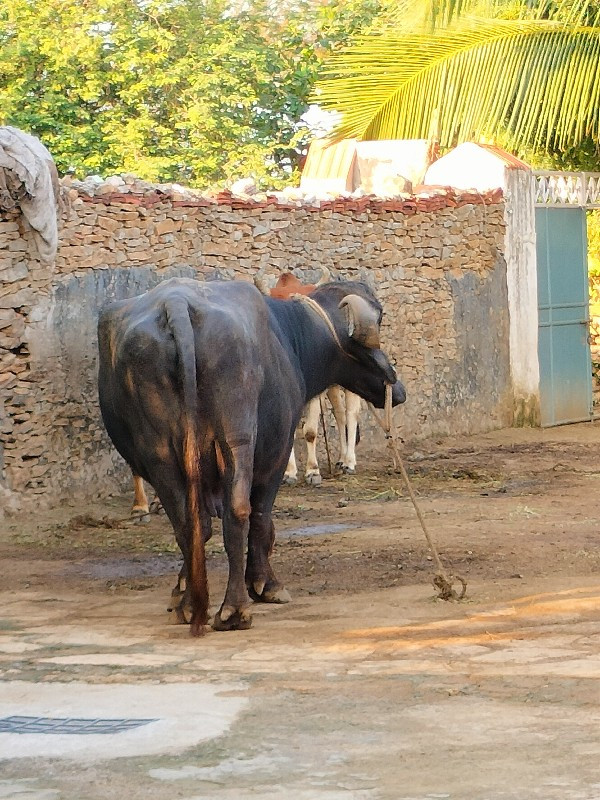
{"x": 288, "y": 284}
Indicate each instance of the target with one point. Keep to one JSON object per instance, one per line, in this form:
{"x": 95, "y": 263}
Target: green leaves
{"x": 532, "y": 81}
{"x": 432, "y": 14}
{"x": 197, "y": 91}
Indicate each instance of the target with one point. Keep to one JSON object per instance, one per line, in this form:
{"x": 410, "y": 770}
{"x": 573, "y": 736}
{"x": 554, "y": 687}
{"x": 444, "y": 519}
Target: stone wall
{"x": 435, "y": 260}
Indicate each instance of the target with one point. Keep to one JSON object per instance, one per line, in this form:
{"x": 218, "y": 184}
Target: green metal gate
{"x": 563, "y": 308}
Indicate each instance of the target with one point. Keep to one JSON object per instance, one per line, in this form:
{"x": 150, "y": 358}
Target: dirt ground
{"x": 365, "y": 686}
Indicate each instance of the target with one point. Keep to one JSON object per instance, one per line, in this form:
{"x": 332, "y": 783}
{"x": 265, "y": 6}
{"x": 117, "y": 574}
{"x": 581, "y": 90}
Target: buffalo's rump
{"x": 245, "y": 383}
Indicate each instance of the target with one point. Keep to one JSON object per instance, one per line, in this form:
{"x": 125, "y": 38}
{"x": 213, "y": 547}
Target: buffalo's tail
{"x": 178, "y": 318}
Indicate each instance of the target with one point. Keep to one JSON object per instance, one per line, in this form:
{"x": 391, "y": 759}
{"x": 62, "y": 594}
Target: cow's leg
{"x": 235, "y": 611}
{"x": 352, "y": 415}
{"x": 140, "y": 500}
{"x": 260, "y": 578}
{"x": 290, "y": 476}
{"x": 141, "y": 507}
{"x": 156, "y": 506}
{"x": 336, "y": 398}
{"x": 310, "y": 430}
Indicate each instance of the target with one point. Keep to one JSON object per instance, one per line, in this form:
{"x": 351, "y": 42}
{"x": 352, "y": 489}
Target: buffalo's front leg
{"x": 262, "y": 584}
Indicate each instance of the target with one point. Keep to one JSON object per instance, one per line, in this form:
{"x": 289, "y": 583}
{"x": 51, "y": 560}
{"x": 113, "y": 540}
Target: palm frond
{"x": 578, "y": 13}
{"x": 435, "y": 14}
{"x": 534, "y": 79}
{"x": 425, "y": 14}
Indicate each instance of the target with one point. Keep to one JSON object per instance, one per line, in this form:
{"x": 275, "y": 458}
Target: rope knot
{"x": 444, "y": 586}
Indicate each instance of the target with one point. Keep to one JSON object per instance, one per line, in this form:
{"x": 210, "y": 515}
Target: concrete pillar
{"x": 521, "y": 276}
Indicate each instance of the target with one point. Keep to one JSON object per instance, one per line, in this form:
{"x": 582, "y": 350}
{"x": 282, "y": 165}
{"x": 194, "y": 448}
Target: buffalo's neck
{"x": 308, "y": 343}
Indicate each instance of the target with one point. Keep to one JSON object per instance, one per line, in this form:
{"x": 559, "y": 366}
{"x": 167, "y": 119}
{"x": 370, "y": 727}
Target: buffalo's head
{"x": 356, "y": 315}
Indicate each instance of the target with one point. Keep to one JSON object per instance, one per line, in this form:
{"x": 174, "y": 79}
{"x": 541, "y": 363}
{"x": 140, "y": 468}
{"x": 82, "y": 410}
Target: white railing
{"x": 567, "y": 189}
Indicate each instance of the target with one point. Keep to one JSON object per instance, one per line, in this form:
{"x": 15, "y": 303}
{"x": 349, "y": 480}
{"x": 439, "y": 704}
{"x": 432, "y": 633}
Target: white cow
{"x": 346, "y": 410}
{"x": 346, "y": 405}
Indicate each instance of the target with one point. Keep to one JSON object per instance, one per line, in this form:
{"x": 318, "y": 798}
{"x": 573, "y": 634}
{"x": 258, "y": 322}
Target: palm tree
{"x": 523, "y": 72}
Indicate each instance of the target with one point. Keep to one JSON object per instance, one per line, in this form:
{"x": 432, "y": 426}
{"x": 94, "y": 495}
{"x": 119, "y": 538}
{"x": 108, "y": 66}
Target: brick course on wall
{"x": 434, "y": 259}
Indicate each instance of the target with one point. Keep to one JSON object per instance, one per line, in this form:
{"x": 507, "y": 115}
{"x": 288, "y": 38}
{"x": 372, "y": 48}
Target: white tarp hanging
{"x": 29, "y": 181}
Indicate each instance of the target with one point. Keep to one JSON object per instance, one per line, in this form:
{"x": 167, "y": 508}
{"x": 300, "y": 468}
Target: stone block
{"x": 17, "y": 299}
{"x": 164, "y": 226}
{"x": 17, "y": 246}
{"x": 8, "y": 226}
{"x": 16, "y": 272}
{"x": 108, "y": 223}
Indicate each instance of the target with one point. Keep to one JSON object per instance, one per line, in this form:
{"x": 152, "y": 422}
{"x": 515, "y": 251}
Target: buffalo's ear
{"x": 362, "y": 320}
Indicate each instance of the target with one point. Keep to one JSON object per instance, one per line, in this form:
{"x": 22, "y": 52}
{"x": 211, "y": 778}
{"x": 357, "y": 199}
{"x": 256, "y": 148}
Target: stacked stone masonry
{"x": 434, "y": 259}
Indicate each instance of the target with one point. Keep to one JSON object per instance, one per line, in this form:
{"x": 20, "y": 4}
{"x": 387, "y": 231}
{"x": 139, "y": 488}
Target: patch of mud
{"x": 510, "y": 504}
{"x": 125, "y": 568}
{"x": 318, "y": 530}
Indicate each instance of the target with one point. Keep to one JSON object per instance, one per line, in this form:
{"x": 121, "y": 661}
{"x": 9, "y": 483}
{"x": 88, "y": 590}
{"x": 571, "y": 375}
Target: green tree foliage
{"x": 593, "y": 231}
{"x": 525, "y": 73}
{"x": 196, "y": 91}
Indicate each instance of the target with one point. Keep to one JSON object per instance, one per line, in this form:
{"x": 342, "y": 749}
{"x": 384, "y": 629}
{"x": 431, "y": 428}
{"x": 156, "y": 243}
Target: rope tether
{"x": 442, "y": 581}
{"x": 325, "y": 437}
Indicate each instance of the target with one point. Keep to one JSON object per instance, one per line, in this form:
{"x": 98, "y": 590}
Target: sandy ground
{"x": 365, "y": 686}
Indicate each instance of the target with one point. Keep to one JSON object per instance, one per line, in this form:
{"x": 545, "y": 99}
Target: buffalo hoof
{"x": 270, "y": 594}
{"x": 289, "y": 480}
{"x": 232, "y": 619}
{"x": 280, "y": 595}
{"x": 313, "y": 478}
{"x": 180, "y": 607}
{"x": 348, "y": 470}
{"x": 179, "y": 613}
{"x": 180, "y": 617}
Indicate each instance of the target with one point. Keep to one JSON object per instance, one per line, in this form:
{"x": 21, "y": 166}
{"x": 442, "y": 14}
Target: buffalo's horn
{"x": 261, "y": 284}
{"x": 363, "y": 320}
{"x": 325, "y": 276}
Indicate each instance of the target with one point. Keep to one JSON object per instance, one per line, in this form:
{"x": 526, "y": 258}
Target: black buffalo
{"x": 201, "y": 388}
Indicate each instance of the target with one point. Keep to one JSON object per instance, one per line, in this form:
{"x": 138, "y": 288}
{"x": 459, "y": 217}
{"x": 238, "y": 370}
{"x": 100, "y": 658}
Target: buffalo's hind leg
{"x": 262, "y": 584}
{"x": 180, "y": 603}
{"x": 170, "y": 487}
{"x": 235, "y": 611}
